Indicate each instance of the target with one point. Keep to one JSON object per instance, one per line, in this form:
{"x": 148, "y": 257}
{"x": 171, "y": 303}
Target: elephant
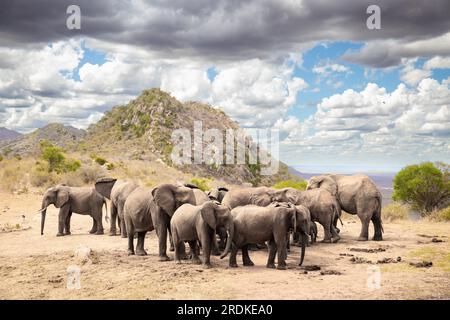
{"x": 356, "y": 194}
{"x": 260, "y": 196}
{"x": 198, "y": 223}
{"x": 82, "y": 200}
{"x": 255, "y": 224}
{"x": 217, "y": 193}
{"x": 147, "y": 209}
{"x": 200, "y": 198}
{"x": 322, "y": 205}
{"x": 117, "y": 191}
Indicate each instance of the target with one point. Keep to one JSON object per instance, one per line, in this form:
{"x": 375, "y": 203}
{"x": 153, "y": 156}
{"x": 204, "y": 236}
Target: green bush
{"x": 109, "y": 166}
{"x": 201, "y": 183}
{"x": 1, "y": 158}
{"x": 394, "y": 211}
{"x": 101, "y": 161}
{"x": 56, "y": 159}
{"x": 424, "y": 186}
{"x": 296, "y": 184}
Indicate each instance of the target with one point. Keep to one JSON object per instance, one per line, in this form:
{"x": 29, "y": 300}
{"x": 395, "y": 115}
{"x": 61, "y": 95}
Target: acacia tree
{"x": 425, "y": 186}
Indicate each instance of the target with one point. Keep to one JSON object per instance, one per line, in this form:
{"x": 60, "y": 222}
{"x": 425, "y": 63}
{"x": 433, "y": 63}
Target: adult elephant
{"x": 259, "y": 196}
{"x": 322, "y": 205}
{"x": 82, "y": 200}
{"x": 200, "y": 196}
{"x": 117, "y": 191}
{"x": 217, "y": 193}
{"x": 254, "y": 224}
{"x": 198, "y": 224}
{"x": 146, "y": 209}
{"x": 356, "y": 194}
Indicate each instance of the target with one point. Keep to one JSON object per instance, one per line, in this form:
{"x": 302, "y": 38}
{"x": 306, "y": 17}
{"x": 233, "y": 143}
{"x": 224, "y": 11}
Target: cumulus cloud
{"x": 412, "y": 123}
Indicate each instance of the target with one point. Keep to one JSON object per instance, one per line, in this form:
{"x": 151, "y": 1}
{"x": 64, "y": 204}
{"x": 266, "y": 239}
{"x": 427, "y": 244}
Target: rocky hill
{"x": 66, "y": 137}
{"x": 141, "y": 130}
{"x": 6, "y": 134}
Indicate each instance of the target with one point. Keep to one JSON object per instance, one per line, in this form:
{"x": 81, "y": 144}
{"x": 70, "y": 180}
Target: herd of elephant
{"x": 221, "y": 219}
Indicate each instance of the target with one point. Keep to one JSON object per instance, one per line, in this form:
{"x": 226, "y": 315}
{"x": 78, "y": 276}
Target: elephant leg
{"x": 194, "y": 252}
{"x": 377, "y": 227}
{"x": 288, "y": 242}
{"x": 335, "y": 234}
{"x": 234, "y": 250}
{"x": 123, "y": 229}
{"x": 130, "y": 229}
{"x": 245, "y": 257}
{"x": 206, "y": 240}
{"x": 172, "y": 245}
{"x": 182, "y": 247}
{"x": 62, "y": 217}
{"x": 112, "y": 228}
{"x": 99, "y": 224}
{"x": 280, "y": 241}
{"x": 215, "y": 247}
{"x": 94, "y": 226}
{"x": 272, "y": 253}
{"x": 364, "y": 235}
{"x": 162, "y": 237}
{"x": 67, "y": 224}
{"x": 327, "y": 233}
{"x": 140, "y": 251}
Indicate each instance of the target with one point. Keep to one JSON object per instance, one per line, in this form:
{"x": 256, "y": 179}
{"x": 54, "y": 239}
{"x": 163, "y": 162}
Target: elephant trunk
{"x": 304, "y": 242}
{"x": 43, "y": 213}
{"x": 230, "y": 235}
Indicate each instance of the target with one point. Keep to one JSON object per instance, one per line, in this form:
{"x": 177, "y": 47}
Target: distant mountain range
{"x": 7, "y": 134}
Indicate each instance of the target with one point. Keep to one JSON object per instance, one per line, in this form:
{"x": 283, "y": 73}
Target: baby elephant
{"x": 198, "y": 223}
{"x": 254, "y": 224}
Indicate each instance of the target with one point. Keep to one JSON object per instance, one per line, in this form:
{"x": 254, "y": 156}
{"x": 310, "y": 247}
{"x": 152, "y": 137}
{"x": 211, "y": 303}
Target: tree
{"x": 56, "y": 159}
{"x": 424, "y": 186}
{"x": 53, "y": 155}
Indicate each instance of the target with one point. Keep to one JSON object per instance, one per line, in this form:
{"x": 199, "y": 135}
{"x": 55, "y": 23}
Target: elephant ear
{"x": 328, "y": 184}
{"x": 209, "y": 214}
{"x": 164, "y": 198}
{"x": 62, "y": 196}
{"x": 104, "y": 186}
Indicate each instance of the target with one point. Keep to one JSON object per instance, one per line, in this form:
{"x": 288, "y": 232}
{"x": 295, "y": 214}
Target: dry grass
{"x": 394, "y": 211}
{"x": 439, "y": 215}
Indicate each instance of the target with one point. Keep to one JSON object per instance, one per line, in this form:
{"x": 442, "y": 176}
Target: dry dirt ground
{"x": 35, "y": 267}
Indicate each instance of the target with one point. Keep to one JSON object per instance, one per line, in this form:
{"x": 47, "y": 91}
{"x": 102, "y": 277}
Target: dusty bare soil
{"x": 35, "y": 267}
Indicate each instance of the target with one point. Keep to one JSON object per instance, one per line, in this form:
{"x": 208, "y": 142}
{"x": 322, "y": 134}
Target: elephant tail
{"x": 378, "y": 212}
{"x": 106, "y": 210}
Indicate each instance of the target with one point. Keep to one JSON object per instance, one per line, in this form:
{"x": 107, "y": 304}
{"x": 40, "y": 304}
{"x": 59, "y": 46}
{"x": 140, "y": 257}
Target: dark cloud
{"x": 226, "y": 29}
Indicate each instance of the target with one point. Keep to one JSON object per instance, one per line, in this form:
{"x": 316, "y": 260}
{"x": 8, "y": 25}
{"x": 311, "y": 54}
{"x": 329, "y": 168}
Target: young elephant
{"x": 254, "y": 224}
{"x": 84, "y": 201}
{"x": 198, "y": 223}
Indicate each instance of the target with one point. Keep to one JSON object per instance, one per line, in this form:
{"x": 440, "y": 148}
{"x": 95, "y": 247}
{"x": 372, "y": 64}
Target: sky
{"x": 344, "y": 97}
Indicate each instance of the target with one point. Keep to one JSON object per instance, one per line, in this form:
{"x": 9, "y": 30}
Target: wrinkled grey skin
{"x": 147, "y": 209}
{"x": 117, "y": 191}
{"x": 255, "y": 224}
{"x": 70, "y": 200}
{"x": 200, "y": 198}
{"x": 322, "y": 205}
{"x": 260, "y": 196}
{"x": 217, "y": 193}
{"x": 356, "y": 194}
{"x": 198, "y": 223}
